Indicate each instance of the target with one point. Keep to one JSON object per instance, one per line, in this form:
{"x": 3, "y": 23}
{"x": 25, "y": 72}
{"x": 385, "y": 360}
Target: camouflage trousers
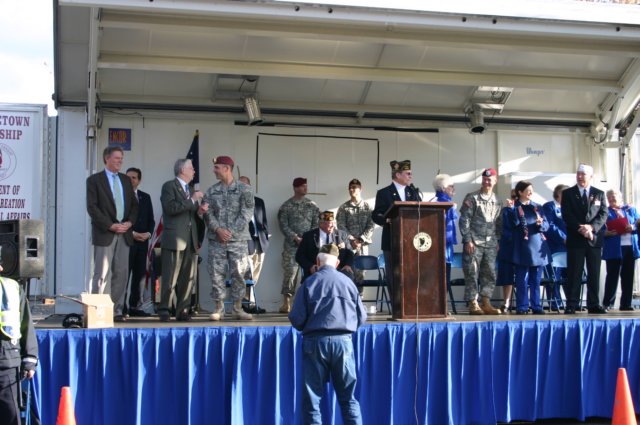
{"x": 361, "y": 250}
{"x": 290, "y": 270}
{"x": 479, "y": 270}
{"x": 227, "y": 258}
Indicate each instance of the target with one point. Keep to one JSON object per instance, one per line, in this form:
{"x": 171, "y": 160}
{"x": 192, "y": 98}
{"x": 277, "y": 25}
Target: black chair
{"x": 370, "y": 263}
{"x": 456, "y": 263}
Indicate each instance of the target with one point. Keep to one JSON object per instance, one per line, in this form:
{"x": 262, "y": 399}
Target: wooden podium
{"x": 418, "y": 232}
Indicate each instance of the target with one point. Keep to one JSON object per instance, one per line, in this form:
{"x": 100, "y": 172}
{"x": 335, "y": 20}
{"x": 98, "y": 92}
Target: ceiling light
{"x": 476, "y": 120}
{"x": 253, "y": 110}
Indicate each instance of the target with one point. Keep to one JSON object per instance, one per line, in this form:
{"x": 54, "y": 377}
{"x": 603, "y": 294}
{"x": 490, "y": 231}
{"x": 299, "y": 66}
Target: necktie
{"x": 584, "y": 197}
{"x": 328, "y": 239}
{"x": 117, "y": 196}
{"x": 186, "y": 189}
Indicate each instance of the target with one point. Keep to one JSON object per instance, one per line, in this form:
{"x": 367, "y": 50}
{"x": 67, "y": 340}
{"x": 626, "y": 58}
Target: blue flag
{"x": 194, "y": 156}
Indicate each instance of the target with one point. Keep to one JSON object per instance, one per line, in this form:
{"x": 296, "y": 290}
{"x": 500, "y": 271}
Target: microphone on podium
{"x": 417, "y": 191}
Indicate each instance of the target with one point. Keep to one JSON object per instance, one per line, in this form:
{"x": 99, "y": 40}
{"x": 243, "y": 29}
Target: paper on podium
{"x": 619, "y": 225}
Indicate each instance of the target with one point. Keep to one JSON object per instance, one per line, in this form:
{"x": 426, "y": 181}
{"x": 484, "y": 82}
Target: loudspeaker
{"x": 22, "y": 248}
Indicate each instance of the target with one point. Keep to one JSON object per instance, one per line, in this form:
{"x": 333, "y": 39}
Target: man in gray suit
{"x": 113, "y": 208}
{"x": 182, "y": 212}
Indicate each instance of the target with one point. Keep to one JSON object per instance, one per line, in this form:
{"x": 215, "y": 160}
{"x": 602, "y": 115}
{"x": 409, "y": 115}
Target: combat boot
{"x": 239, "y": 313}
{"x": 487, "y": 308}
{"x": 474, "y": 308}
{"x": 218, "y": 311}
{"x": 285, "y": 308}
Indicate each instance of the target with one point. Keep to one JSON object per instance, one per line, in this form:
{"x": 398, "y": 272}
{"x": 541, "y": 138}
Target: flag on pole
{"x": 194, "y": 156}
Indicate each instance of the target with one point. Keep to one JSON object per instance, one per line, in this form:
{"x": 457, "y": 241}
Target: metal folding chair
{"x": 371, "y": 263}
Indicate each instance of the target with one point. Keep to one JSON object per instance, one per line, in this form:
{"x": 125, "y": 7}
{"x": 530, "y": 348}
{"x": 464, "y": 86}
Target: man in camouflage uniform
{"x": 481, "y": 227}
{"x": 296, "y": 216}
{"x": 354, "y": 217}
{"x": 230, "y": 210}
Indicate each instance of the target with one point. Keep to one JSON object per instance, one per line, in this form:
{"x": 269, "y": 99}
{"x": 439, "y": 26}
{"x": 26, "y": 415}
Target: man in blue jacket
{"x": 327, "y": 310}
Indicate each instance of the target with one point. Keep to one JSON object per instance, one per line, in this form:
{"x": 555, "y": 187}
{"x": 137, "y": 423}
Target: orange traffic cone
{"x": 66, "y": 415}
{"x": 623, "y": 412}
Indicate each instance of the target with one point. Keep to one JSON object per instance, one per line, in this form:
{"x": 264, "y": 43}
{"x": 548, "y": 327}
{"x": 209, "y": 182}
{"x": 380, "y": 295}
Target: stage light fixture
{"x": 252, "y": 109}
{"x": 476, "y": 120}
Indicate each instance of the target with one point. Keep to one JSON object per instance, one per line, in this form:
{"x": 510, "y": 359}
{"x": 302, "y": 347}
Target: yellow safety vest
{"x": 10, "y": 308}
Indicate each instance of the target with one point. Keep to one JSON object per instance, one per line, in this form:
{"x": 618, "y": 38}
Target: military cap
{"x": 488, "y": 172}
{"x": 299, "y": 181}
{"x": 223, "y": 160}
{"x": 326, "y": 216}
{"x": 331, "y": 249}
{"x": 355, "y": 182}
{"x": 584, "y": 168}
{"x": 401, "y": 165}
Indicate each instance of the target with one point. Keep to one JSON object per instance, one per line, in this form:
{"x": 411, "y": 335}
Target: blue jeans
{"x": 324, "y": 357}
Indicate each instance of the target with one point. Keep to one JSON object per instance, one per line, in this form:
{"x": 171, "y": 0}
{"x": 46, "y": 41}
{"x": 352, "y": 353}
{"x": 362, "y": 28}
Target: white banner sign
{"x": 21, "y": 139}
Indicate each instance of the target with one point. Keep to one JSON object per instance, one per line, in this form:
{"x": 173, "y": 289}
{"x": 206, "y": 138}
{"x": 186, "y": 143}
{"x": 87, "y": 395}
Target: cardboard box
{"x": 98, "y": 310}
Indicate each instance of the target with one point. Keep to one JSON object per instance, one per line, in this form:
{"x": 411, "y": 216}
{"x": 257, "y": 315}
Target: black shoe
{"x": 569, "y": 310}
{"x": 539, "y": 312}
{"x": 138, "y": 313}
{"x": 598, "y": 309}
{"x": 627, "y": 308}
{"x": 119, "y": 318}
{"x": 522, "y": 312}
{"x": 164, "y": 316}
{"x": 183, "y": 316}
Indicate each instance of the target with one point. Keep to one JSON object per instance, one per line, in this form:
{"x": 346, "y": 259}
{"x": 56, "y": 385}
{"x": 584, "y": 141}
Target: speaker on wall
{"x": 22, "y": 248}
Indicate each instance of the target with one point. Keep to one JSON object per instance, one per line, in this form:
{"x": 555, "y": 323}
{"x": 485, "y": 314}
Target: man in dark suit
{"x": 142, "y": 231}
{"x": 584, "y": 210}
{"x": 182, "y": 214}
{"x": 326, "y": 233}
{"x": 113, "y": 208}
{"x": 400, "y": 189}
{"x": 259, "y": 231}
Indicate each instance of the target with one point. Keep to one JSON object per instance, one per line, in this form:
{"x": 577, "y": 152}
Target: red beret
{"x": 489, "y": 172}
{"x": 223, "y": 160}
{"x": 299, "y": 181}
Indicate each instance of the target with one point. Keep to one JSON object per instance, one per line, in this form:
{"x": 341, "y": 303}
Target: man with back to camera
{"x": 18, "y": 348}
{"x": 113, "y": 209}
{"x": 327, "y": 310}
{"x": 400, "y": 189}
{"x": 584, "y": 210}
{"x": 480, "y": 225}
{"x": 297, "y": 215}
{"x": 142, "y": 230}
{"x": 230, "y": 210}
{"x": 182, "y": 209}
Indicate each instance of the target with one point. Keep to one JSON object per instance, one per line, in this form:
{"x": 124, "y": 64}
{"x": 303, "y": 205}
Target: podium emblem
{"x": 422, "y": 242}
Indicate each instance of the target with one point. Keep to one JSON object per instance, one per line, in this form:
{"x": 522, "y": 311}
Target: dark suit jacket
{"x": 575, "y": 213}
{"x": 310, "y": 246}
{"x": 385, "y": 197}
{"x": 145, "y": 221}
{"x": 180, "y": 217}
{"x": 102, "y": 208}
{"x": 261, "y": 243}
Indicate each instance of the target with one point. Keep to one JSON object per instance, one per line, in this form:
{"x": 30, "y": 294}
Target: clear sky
{"x": 26, "y": 52}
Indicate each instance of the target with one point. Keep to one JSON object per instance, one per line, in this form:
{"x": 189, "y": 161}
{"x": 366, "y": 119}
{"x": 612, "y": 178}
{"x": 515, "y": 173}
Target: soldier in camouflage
{"x": 354, "y": 217}
{"x": 296, "y": 216}
{"x": 481, "y": 227}
{"x": 230, "y": 210}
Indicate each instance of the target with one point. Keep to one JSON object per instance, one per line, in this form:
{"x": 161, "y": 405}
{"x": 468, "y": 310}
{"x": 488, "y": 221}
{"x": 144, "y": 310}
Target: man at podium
{"x": 400, "y": 189}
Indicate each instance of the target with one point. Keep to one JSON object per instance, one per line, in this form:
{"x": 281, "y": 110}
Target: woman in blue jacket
{"x": 530, "y": 250}
{"x": 620, "y": 252}
{"x": 506, "y": 272}
{"x": 443, "y": 185}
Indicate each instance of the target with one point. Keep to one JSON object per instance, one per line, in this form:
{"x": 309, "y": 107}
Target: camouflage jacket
{"x": 230, "y": 207}
{"x": 356, "y": 220}
{"x": 480, "y": 219}
{"x": 296, "y": 217}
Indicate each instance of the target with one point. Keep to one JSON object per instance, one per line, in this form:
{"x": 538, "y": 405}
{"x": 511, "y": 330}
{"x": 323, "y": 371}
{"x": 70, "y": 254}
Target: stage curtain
{"x": 428, "y": 373}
